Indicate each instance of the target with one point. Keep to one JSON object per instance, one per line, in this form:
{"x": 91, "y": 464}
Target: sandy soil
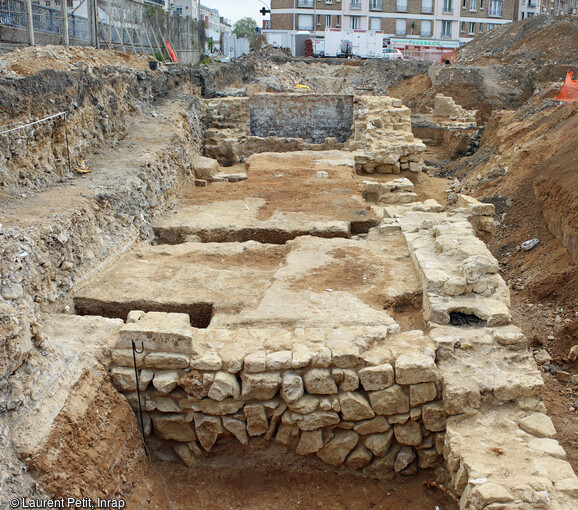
{"x": 237, "y": 479}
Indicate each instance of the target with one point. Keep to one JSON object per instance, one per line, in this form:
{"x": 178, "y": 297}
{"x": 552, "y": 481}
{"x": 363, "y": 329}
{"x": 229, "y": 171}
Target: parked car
{"x": 392, "y": 54}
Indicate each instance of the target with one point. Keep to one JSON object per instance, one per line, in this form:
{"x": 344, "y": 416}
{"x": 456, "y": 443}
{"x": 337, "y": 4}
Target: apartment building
{"x": 416, "y": 23}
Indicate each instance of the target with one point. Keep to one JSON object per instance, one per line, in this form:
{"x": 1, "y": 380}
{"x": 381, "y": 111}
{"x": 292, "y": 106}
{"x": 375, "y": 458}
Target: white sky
{"x": 237, "y": 9}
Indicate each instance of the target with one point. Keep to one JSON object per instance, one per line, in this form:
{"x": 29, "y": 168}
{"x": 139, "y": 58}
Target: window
{"x": 304, "y": 3}
{"x": 482, "y": 5}
{"x": 305, "y": 22}
{"x": 375, "y": 5}
{"x": 463, "y": 26}
{"x": 425, "y": 28}
{"x": 375, "y": 23}
{"x": 338, "y": 20}
{"x": 472, "y": 28}
{"x": 400, "y": 26}
{"x": 464, "y": 4}
{"x": 481, "y": 29}
{"x": 355, "y": 22}
{"x": 328, "y": 21}
{"x": 495, "y": 8}
{"x": 472, "y": 5}
{"x": 446, "y": 28}
{"x": 447, "y": 7}
{"x": 319, "y": 19}
{"x": 402, "y": 5}
{"x": 491, "y": 25}
{"x": 355, "y": 4}
{"x": 426, "y": 6}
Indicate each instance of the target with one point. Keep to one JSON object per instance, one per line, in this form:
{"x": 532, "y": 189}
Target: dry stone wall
{"x": 345, "y": 406}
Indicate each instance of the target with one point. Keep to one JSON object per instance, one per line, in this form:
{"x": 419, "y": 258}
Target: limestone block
{"x": 488, "y": 493}
{"x": 256, "y": 362}
{"x": 205, "y": 168}
{"x": 330, "y": 404}
{"x": 414, "y": 368}
{"x": 166, "y": 360}
{"x": 189, "y": 453}
{"x": 260, "y": 386}
{"x": 428, "y": 459}
{"x": 237, "y": 428}
{"x": 291, "y": 387}
{"x": 159, "y": 331}
{"x": 538, "y": 424}
{"x": 144, "y": 378}
{"x": 315, "y": 420}
{"x": 377, "y": 378}
{"x": 455, "y": 286}
{"x": 549, "y": 446}
{"x": 350, "y": 380}
{"x": 572, "y": 355}
{"x": 321, "y": 357}
{"x": 123, "y": 358}
{"x": 318, "y": 381}
{"x": 166, "y": 405}
{"x": 382, "y": 467}
{"x": 373, "y": 426}
{"x": 233, "y": 365}
{"x": 257, "y": 423}
{"x": 379, "y": 444}
{"x": 475, "y": 207}
{"x": 568, "y": 486}
{"x": 345, "y": 356}
{"x": 398, "y": 418}
{"x": 409, "y": 433}
{"x": 337, "y": 449}
{"x": 359, "y": 457}
{"x": 305, "y": 405}
{"x": 210, "y": 406}
{"x": 461, "y": 397}
{"x": 208, "y": 429}
{"x": 434, "y": 416}
{"x": 355, "y": 407}
{"x": 134, "y": 316}
{"x": 225, "y": 385}
{"x": 513, "y": 385}
{"x": 210, "y": 361}
{"x": 286, "y": 434}
{"x": 422, "y": 393}
{"x": 415, "y": 413}
{"x": 173, "y": 426}
{"x": 123, "y": 378}
{"x": 404, "y": 458}
{"x": 310, "y": 442}
{"x": 390, "y": 401}
{"x": 301, "y": 356}
{"x": 280, "y": 360}
{"x": 166, "y": 380}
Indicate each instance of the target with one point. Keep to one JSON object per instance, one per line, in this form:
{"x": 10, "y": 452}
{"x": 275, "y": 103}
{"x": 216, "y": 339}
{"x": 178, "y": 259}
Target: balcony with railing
{"x": 401, "y": 6}
{"x": 427, "y": 9}
{"x": 355, "y": 4}
{"x": 375, "y": 5}
{"x": 307, "y": 27}
{"x": 305, "y": 3}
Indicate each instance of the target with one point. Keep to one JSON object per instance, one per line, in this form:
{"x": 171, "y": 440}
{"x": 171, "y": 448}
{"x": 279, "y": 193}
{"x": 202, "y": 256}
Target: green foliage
{"x": 245, "y": 27}
{"x": 153, "y": 11}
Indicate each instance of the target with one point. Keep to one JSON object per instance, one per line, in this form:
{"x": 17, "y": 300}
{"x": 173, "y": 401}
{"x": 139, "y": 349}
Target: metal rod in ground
{"x": 66, "y": 138}
{"x": 140, "y": 419}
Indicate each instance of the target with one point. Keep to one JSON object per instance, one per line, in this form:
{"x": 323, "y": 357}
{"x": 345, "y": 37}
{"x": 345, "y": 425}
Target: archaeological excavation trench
{"x": 284, "y": 303}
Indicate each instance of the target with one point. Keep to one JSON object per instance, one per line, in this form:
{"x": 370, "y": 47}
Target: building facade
{"x": 417, "y": 23}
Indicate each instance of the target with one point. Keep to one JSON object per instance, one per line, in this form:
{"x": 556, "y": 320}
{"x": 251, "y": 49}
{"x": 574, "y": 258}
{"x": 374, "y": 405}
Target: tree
{"x": 245, "y": 27}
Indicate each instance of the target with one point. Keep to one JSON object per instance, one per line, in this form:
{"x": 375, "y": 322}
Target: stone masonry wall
{"x": 312, "y": 117}
{"x": 343, "y": 406}
{"x": 383, "y": 141}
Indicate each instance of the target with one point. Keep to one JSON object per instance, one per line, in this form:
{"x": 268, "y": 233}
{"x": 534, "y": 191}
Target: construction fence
{"x": 126, "y": 25}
